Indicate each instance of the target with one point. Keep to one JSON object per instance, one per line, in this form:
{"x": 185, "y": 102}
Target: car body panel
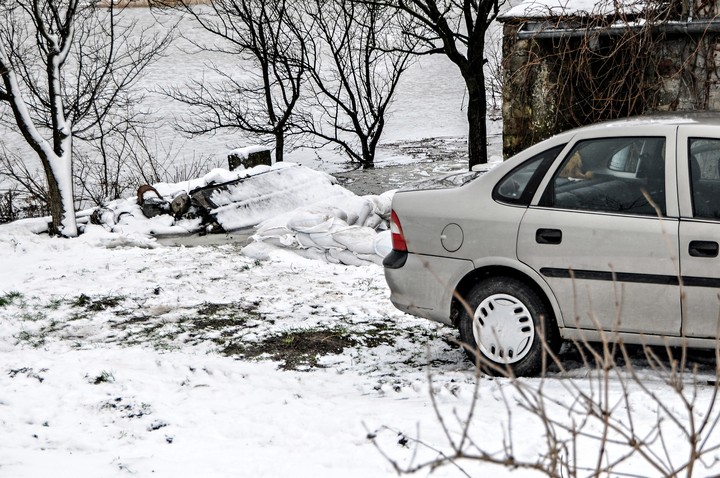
{"x": 597, "y": 272}
{"x": 425, "y": 285}
{"x": 701, "y": 275}
{"x": 606, "y": 262}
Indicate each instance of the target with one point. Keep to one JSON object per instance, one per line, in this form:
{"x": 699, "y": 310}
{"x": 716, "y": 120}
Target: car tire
{"x": 502, "y": 325}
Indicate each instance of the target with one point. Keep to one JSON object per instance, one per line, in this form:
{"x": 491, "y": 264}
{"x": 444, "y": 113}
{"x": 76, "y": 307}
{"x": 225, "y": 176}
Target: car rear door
{"x": 596, "y": 237}
{"x": 699, "y": 195}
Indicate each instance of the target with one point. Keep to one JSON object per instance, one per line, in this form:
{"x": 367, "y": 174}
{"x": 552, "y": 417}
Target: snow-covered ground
{"x": 121, "y": 357}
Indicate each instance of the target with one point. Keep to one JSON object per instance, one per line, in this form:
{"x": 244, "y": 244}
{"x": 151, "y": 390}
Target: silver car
{"x": 609, "y": 230}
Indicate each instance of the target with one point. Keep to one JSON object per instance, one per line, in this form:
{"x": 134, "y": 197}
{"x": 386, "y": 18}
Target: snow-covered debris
{"x": 245, "y": 152}
{"x": 234, "y": 199}
{"x": 270, "y": 191}
{"x": 559, "y": 8}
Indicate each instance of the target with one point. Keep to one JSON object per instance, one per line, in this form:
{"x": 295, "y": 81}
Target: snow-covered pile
{"x": 292, "y": 207}
{"x": 557, "y": 8}
{"x": 267, "y": 192}
{"x": 342, "y": 232}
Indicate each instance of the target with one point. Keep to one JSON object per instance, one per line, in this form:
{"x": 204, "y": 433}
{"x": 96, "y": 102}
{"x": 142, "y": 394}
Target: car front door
{"x": 699, "y": 194}
{"x": 603, "y": 232}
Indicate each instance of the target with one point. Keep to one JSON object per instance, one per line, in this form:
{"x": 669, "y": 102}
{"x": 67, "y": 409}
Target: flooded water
{"x": 429, "y": 103}
{"x": 426, "y": 122}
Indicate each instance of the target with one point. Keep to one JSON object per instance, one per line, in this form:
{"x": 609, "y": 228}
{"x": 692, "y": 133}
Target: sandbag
{"x": 332, "y": 260}
{"x": 364, "y": 212}
{"x": 357, "y": 239}
{"x": 305, "y": 240}
{"x": 273, "y": 231}
{"x": 382, "y": 205}
{"x": 352, "y": 218}
{"x": 325, "y": 240}
{"x": 373, "y": 221}
{"x": 346, "y": 257}
{"x": 305, "y": 221}
{"x": 383, "y": 243}
{"x": 371, "y": 258}
{"x": 339, "y": 213}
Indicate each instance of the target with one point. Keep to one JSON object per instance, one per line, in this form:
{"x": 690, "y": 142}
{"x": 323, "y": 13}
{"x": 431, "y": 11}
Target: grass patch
{"x": 231, "y": 310}
{"x": 99, "y": 304}
{"x": 9, "y": 298}
{"x": 378, "y": 334}
{"x": 297, "y": 349}
{"x": 225, "y": 318}
{"x": 218, "y": 323}
{"x": 104, "y": 377}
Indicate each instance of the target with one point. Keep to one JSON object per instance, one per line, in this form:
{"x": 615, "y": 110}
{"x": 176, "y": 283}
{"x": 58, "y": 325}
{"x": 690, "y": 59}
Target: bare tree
{"x": 358, "y": 56}
{"x": 65, "y": 66}
{"x": 260, "y": 100}
{"x": 456, "y": 28}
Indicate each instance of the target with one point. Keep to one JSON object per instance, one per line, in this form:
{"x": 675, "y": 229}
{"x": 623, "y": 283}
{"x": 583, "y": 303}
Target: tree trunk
{"x": 474, "y": 74}
{"x": 476, "y": 114}
{"x": 56, "y": 211}
{"x": 62, "y": 200}
{"x": 368, "y": 155}
{"x": 279, "y": 145}
{"x": 60, "y": 195}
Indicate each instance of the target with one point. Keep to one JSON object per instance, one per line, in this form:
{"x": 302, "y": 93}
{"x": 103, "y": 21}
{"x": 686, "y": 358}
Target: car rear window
{"x": 520, "y": 184}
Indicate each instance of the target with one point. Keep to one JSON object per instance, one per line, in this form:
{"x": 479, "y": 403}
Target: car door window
{"x": 704, "y": 154}
{"x": 519, "y": 186}
{"x": 616, "y": 175}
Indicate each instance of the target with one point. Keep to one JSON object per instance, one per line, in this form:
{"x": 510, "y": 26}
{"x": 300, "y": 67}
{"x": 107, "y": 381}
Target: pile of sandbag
{"x": 290, "y": 206}
{"x": 352, "y": 231}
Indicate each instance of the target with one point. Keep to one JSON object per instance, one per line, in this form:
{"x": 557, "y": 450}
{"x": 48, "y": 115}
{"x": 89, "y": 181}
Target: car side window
{"x": 519, "y": 186}
{"x": 617, "y": 175}
{"x": 704, "y": 154}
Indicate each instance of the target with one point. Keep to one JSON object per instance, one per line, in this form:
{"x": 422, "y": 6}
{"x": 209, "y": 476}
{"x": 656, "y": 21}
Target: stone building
{"x": 567, "y": 64}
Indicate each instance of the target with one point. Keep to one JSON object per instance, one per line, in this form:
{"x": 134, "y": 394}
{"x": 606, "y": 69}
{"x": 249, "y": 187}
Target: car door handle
{"x": 703, "y": 248}
{"x": 548, "y": 236}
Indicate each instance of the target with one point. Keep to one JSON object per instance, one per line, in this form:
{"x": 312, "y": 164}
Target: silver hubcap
{"x": 503, "y": 328}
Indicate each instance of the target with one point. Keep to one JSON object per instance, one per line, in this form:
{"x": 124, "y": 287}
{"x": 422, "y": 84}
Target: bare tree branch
{"x": 262, "y": 100}
{"x": 65, "y": 66}
{"x": 457, "y": 29}
{"x": 357, "y": 59}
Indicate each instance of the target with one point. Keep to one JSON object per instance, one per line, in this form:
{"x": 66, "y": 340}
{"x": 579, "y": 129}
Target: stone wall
{"x": 529, "y": 93}
{"x": 551, "y": 84}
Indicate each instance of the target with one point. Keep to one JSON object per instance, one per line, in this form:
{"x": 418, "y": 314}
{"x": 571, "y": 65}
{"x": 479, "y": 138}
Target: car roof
{"x": 700, "y": 118}
{"x": 708, "y": 118}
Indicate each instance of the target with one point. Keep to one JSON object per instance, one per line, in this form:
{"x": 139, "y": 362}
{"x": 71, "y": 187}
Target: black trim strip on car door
{"x": 630, "y": 277}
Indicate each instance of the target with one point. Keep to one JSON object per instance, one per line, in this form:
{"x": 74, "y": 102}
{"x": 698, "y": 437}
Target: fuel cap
{"x": 452, "y": 237}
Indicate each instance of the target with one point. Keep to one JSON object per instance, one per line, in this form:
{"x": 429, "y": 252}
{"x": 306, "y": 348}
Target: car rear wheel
{"x": 503, "y": 326}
